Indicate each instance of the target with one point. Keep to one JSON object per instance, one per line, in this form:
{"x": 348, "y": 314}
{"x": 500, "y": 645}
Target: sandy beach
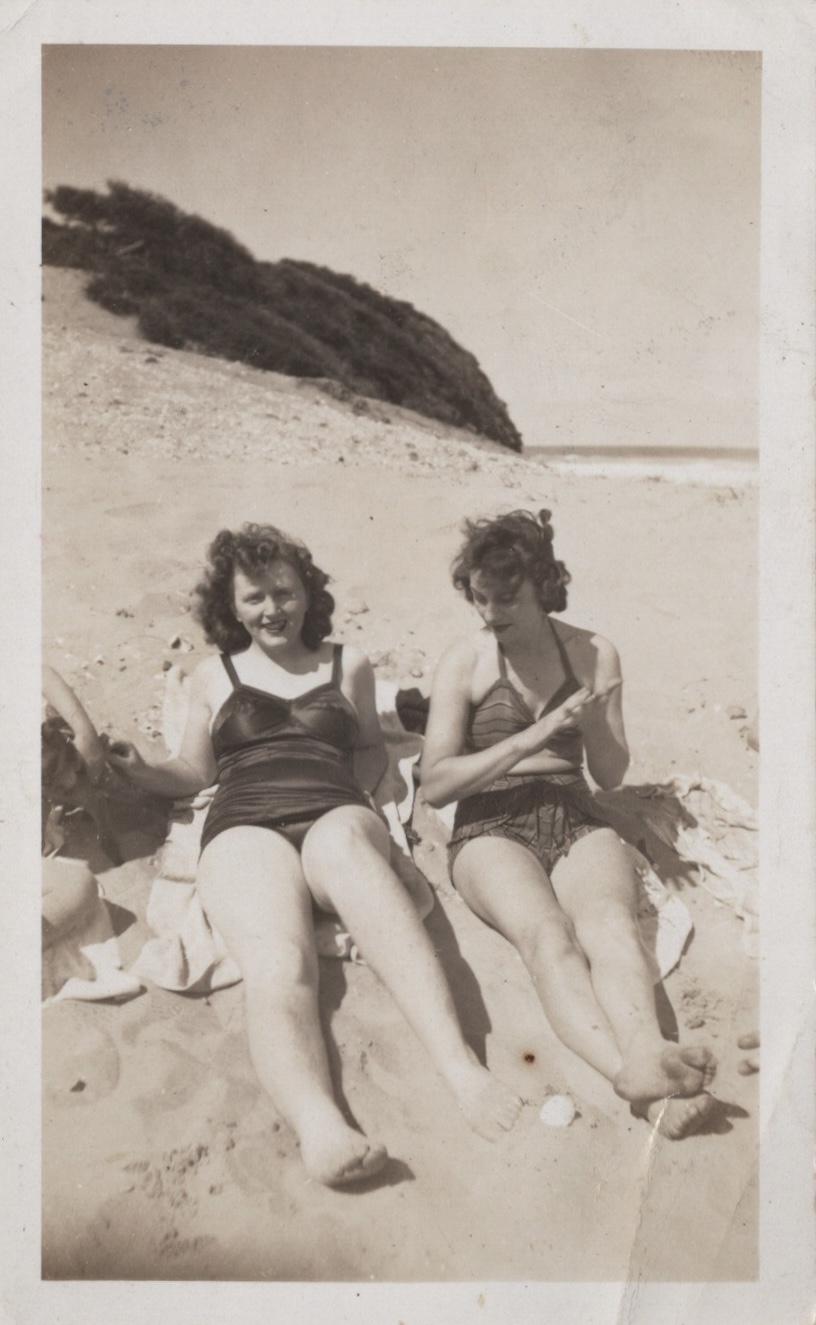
{"x": 169, "y": 1162}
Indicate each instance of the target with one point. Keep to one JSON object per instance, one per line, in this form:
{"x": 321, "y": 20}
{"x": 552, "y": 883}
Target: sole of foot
{"x": 673, "y": 1071}
{"x": 677, "y": 1117}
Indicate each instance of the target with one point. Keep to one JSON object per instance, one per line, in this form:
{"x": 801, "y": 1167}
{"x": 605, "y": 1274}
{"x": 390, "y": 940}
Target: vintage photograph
{"x": 400, "y": 744}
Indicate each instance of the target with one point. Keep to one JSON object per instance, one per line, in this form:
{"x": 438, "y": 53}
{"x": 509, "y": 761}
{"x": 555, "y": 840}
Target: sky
{"x": 585, "y": 222}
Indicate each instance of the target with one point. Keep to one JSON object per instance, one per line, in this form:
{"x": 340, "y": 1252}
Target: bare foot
{"x": 667, "y": 1072}
{"x": 489, "y": 1106}
{"x": 337, "y": 1155}
{"x": 678, "y": 1117}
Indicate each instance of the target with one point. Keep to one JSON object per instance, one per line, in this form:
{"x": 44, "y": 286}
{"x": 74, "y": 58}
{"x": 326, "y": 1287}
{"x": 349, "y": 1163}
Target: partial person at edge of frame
{"x": 71, "y": 747}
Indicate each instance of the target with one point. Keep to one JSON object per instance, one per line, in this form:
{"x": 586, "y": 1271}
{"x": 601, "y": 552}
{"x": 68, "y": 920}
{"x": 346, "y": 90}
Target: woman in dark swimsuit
{"x": 513, "y": 712}
{"x": 287, "y": 723}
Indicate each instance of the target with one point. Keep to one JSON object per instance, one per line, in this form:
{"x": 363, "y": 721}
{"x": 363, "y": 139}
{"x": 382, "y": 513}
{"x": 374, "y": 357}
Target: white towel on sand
{"x": 711, "y": 828}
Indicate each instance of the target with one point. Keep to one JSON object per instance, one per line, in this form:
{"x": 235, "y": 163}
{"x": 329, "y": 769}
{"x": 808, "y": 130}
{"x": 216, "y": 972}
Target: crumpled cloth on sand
{"x": 711, "y": 828}
{"x": 188, "y": 954}
{"x": 86, "y": 963}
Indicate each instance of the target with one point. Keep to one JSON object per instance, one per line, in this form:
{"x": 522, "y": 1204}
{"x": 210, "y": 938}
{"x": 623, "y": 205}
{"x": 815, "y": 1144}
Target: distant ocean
{"x": 716, "y": 466}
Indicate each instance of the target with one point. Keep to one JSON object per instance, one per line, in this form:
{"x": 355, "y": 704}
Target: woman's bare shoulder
{"x": 355, "y": 660}
{"x": 210, "y": 666}
{"x": 462, "y": 656}
{"x": 593, "y": 655}
{"x": 207, "y": 674}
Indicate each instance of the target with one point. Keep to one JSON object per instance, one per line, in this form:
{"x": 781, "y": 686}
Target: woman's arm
{"x": 447, "y": 773}
{"x": 601, "y": 722}
{"x": 59, "y": 695}
{"x": 194, "y": 766}
{"x": 370, "y": 758}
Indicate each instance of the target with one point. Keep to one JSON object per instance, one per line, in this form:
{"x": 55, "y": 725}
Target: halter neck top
{"x": 503, "y": 711}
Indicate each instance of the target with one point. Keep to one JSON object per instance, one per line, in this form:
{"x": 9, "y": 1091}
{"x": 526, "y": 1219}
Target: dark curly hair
{"x": 252, "y": 549}
{"x": 512, "y": 548}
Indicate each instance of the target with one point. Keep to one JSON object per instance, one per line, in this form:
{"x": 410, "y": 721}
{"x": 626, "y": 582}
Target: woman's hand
{"x": 597, "y": 715}
{"x": 194, "y": 767}
{"x": 569, "y": 716}
{"x": 125, "y": 758}
{"x": 177, "y": 778}
{"x": 587, "y": 710}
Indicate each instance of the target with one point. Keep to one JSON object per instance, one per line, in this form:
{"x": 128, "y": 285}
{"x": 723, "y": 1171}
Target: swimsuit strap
{"x": 337, "y": 669}
{"x": 230, "y": 669}
{"x": 569, "y": 674}
{"x": 563, "y": 655}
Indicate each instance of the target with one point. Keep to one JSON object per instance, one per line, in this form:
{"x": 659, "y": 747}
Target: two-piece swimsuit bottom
{"x": 544, "y": 812}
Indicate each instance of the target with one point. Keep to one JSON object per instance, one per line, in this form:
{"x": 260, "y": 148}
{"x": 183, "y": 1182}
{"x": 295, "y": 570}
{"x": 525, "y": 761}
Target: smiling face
{"x": 271, "y": 605}
{"x": 511, "y": 611}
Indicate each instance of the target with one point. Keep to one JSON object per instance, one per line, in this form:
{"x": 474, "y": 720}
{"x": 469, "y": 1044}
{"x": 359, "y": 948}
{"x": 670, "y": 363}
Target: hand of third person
{"x": 125, "y": 758}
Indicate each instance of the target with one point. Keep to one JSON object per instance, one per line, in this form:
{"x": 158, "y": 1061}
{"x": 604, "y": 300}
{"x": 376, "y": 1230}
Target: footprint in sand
{"x": 258, "y": 1163}
{"x": 169, "y": 1077}
{"x": 132, "y": 1233}
{"x": 79, "y": 1067}
{"x": 171, "y": 1176}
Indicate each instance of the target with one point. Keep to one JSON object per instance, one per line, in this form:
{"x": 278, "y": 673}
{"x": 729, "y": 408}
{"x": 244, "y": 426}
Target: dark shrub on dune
{"x": 157, "y": 324}
{"x": 192, "y": 285}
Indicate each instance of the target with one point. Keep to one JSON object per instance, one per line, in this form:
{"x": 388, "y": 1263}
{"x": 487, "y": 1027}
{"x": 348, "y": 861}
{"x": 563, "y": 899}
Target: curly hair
{"x": 512, "y": 548}
{"x": 252, "y": 549}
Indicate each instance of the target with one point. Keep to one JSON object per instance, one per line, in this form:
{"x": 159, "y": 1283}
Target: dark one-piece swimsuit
{"x": 544, "y": 812}
{"x": 282, "y": 763}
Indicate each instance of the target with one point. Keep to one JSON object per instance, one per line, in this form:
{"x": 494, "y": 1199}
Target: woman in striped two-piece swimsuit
{"x": 515, "y": 711}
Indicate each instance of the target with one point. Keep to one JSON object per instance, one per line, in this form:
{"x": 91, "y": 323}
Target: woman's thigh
{"x": 252, "y": 887}
{"x": 504, "y": 884}
{"x": 344, "y": 840}
{"x": 595, "y": 879}
{"x": 69, "y": 894}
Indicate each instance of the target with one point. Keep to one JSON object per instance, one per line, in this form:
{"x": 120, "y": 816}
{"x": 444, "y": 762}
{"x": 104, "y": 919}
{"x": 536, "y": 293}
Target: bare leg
{"x": 253, "y": 890}
{"x": 595, "y": 886}
{"x": 69, "y": 893}
{"x": 505, "y": 885}
{"x": 345, "y": 860}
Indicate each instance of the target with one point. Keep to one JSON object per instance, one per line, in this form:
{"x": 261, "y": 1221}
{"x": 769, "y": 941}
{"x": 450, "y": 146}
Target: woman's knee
{"x": 284, "y": 966}
{"x": 551, "y": 940}
{"x": 607, "y": 926}
{"x": 69, "y": 894}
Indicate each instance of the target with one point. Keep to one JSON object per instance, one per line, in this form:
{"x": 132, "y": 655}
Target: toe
{"x": 687, "y": 1116}
{"x": 676, "y": 1117}
{"x": 701, "y": 1059}
{"x": 361, "y": 1167}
